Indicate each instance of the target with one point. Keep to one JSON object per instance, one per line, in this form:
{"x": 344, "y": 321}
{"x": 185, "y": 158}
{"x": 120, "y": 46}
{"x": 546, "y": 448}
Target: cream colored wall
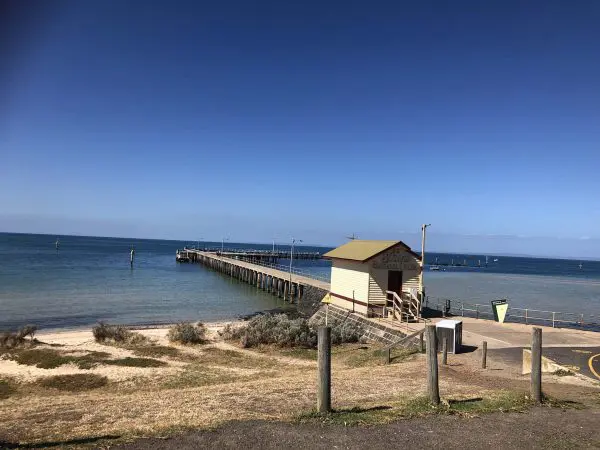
{"x": 350, "y": 279}
{"x": 396, "y": 259}
{"x": 378, "y": 279}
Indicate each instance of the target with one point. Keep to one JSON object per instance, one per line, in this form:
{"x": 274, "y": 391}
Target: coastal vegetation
{"x": 283, "y": 331}
{"x": 187, "y": 333}
{"x": 24, "y": 336}
{"x": 74, "y": 383}
{"x": 117, "y": 334}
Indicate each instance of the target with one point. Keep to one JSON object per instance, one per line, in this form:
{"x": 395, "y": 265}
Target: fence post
{"x": 433, "y": 387}
{"x": 462, "y": 309}
{"x": 324, "y": 370}
{"x": 445, "y": 351}
{"x": 389, "y": 355}
{"x": 421, "y": 343}
{"x": 536, "y": 364}
{"x": 525, "y": 316}
{"x": 553, "y": 318}
{"x": 476, "y": 311}
{"x": 484, "y": 355}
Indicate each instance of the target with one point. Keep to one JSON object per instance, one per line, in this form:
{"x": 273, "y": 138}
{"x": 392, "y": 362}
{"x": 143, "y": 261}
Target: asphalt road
{"x": 583, "y": 360}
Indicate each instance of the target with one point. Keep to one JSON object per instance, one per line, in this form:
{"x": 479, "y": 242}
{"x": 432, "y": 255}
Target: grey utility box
{"x": 451, "y": 330}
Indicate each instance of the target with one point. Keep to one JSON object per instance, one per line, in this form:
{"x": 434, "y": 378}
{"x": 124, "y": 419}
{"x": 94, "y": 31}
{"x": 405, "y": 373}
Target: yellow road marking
{"x": 591, "y": 364}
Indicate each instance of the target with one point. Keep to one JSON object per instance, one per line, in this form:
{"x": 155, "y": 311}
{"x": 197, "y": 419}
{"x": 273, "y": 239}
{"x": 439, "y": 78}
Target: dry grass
{"x": 136, "y": 362}
{"x": 48, "y": 358}
{"x": 74, "y": 383}
{"x": 420, "y": 406}
{"x": 6, "y": 389}
{"x": 156, "y": 351}
{"x": 210, "y": 385}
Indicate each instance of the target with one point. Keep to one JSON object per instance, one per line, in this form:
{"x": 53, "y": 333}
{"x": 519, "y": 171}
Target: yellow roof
{"x": 362, "y": 250}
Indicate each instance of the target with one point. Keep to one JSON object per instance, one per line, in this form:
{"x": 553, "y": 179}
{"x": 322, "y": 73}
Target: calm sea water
{"x": 90, "y": 279}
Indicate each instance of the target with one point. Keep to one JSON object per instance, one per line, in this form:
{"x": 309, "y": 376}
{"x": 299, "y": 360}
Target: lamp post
{"x": 421, "y": 283}
{"x": 291, "y": 260}
{"x": 223, "y": 243}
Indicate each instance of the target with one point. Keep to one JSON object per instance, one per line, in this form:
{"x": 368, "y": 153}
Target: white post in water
{"x": 421, "y": 283}
{"x": 131, "y": 256}
{"x": 292, "y": 259}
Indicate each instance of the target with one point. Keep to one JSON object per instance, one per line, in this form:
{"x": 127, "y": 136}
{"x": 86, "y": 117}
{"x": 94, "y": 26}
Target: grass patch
{"x": 299, "y": 353}
{"x": 74, "y": 383}
{"x": 156, "y": 351}
{"x": 46, "y": 358}
{"x": 367, "y": 356}
{"x": 563, "y": 373}
{"x": 418, "y": 407}
{"x": 6, "y": 389}
{"x": 198, "y": 375}
{"x": 136, "y": 362}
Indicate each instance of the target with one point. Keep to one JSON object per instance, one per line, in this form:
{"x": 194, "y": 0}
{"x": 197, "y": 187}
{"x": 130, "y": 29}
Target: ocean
{"x": 89, "y": 279}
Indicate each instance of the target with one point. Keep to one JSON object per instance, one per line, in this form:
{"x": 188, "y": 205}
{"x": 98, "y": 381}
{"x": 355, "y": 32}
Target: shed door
{"x": 394, "y": 282}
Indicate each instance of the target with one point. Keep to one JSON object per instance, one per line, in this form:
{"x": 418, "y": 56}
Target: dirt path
{"x": 540, "y": 428}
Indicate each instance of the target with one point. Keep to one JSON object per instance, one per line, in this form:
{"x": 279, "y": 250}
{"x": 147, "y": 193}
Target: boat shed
{"x": 368, "y": 277}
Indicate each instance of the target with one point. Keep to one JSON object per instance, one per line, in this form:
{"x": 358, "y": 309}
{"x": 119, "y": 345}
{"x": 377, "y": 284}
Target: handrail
{"x": 283, "y": 269}
{"x": 528, "y": 315}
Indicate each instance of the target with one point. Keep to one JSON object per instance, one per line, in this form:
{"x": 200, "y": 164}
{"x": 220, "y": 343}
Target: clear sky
{"x": 312, "y": 119}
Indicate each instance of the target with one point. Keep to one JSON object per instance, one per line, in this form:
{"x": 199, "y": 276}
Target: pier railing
{"x": 556, "y": 319}
{"x": 284, "y": 269}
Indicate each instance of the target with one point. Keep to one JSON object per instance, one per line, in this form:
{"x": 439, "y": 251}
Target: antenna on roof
{"x": 352, "y": 237}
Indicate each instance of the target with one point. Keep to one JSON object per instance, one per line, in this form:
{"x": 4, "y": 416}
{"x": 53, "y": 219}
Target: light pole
{"x": 291, "y": 260}
{"x": 421, "y": 284}
{"x": 223, "y": 243}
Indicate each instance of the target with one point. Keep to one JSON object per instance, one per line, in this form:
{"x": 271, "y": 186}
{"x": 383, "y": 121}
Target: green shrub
{"x": 280, "y": 330}
{"x": 118, "y": 334}
{"x": 187, "y": 333}
{"x": 12, "y": 339}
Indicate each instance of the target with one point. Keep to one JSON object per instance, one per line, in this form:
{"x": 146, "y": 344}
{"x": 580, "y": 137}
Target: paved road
{"x": 583, "y": 360}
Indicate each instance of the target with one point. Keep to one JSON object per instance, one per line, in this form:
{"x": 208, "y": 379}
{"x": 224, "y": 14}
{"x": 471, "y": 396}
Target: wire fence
{"x": 556, "y": 319}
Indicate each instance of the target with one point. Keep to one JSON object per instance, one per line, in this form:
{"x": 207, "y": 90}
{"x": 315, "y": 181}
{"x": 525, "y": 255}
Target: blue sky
{"x": 311, "y": 119}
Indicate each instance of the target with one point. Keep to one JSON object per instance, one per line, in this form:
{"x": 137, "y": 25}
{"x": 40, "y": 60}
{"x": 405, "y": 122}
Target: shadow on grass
{"x": 357, "y": 409}
{"x": 465, "y": 401}
{"x": 82, "y": 441}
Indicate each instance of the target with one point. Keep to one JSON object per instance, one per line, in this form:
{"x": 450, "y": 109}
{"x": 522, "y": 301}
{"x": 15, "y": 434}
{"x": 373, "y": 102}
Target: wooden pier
{"x": 254, "y": 255}
{"x": 277, "y": 282}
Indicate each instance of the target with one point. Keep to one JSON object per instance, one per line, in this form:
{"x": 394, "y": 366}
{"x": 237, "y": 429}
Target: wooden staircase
{"x": 405, "y": 307}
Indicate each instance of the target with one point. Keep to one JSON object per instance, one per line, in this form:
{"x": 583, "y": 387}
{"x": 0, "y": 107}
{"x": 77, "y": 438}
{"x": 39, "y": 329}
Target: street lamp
{"x": 223, "y": 243}
{"x": 291, "y": 260}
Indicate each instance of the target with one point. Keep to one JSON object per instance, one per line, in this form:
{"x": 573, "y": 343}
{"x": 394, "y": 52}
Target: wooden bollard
{"x": 445, "y": 351}
{"x": 433, "y": 387}
{"x": 388, "y": 355}
{"x": 484, "y": 355}
{"x": 421, "y": 342}
{"x": 324, "y": 370}
{"x": 536, "y": 364}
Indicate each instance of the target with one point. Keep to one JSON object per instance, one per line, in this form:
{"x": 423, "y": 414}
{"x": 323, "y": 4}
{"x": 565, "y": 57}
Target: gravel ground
{"x": 539, "y": 428}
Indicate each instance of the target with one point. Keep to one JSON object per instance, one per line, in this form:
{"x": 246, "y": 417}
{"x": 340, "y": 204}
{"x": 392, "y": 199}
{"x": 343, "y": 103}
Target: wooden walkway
{"x": 277, "y": 282}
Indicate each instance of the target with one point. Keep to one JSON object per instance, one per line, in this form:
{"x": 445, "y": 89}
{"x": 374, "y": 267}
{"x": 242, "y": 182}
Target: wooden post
{"x": 285, "y": 291}
{"x": 433, "y": 387}
{"x": 445, "y": 351}
{"x": 389, "y": 355}
{"x": 536, "y": 364}
{"x": 324, "y": 370}
{"x": 421, "y": 343}
{"x": 484, "y": 355}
